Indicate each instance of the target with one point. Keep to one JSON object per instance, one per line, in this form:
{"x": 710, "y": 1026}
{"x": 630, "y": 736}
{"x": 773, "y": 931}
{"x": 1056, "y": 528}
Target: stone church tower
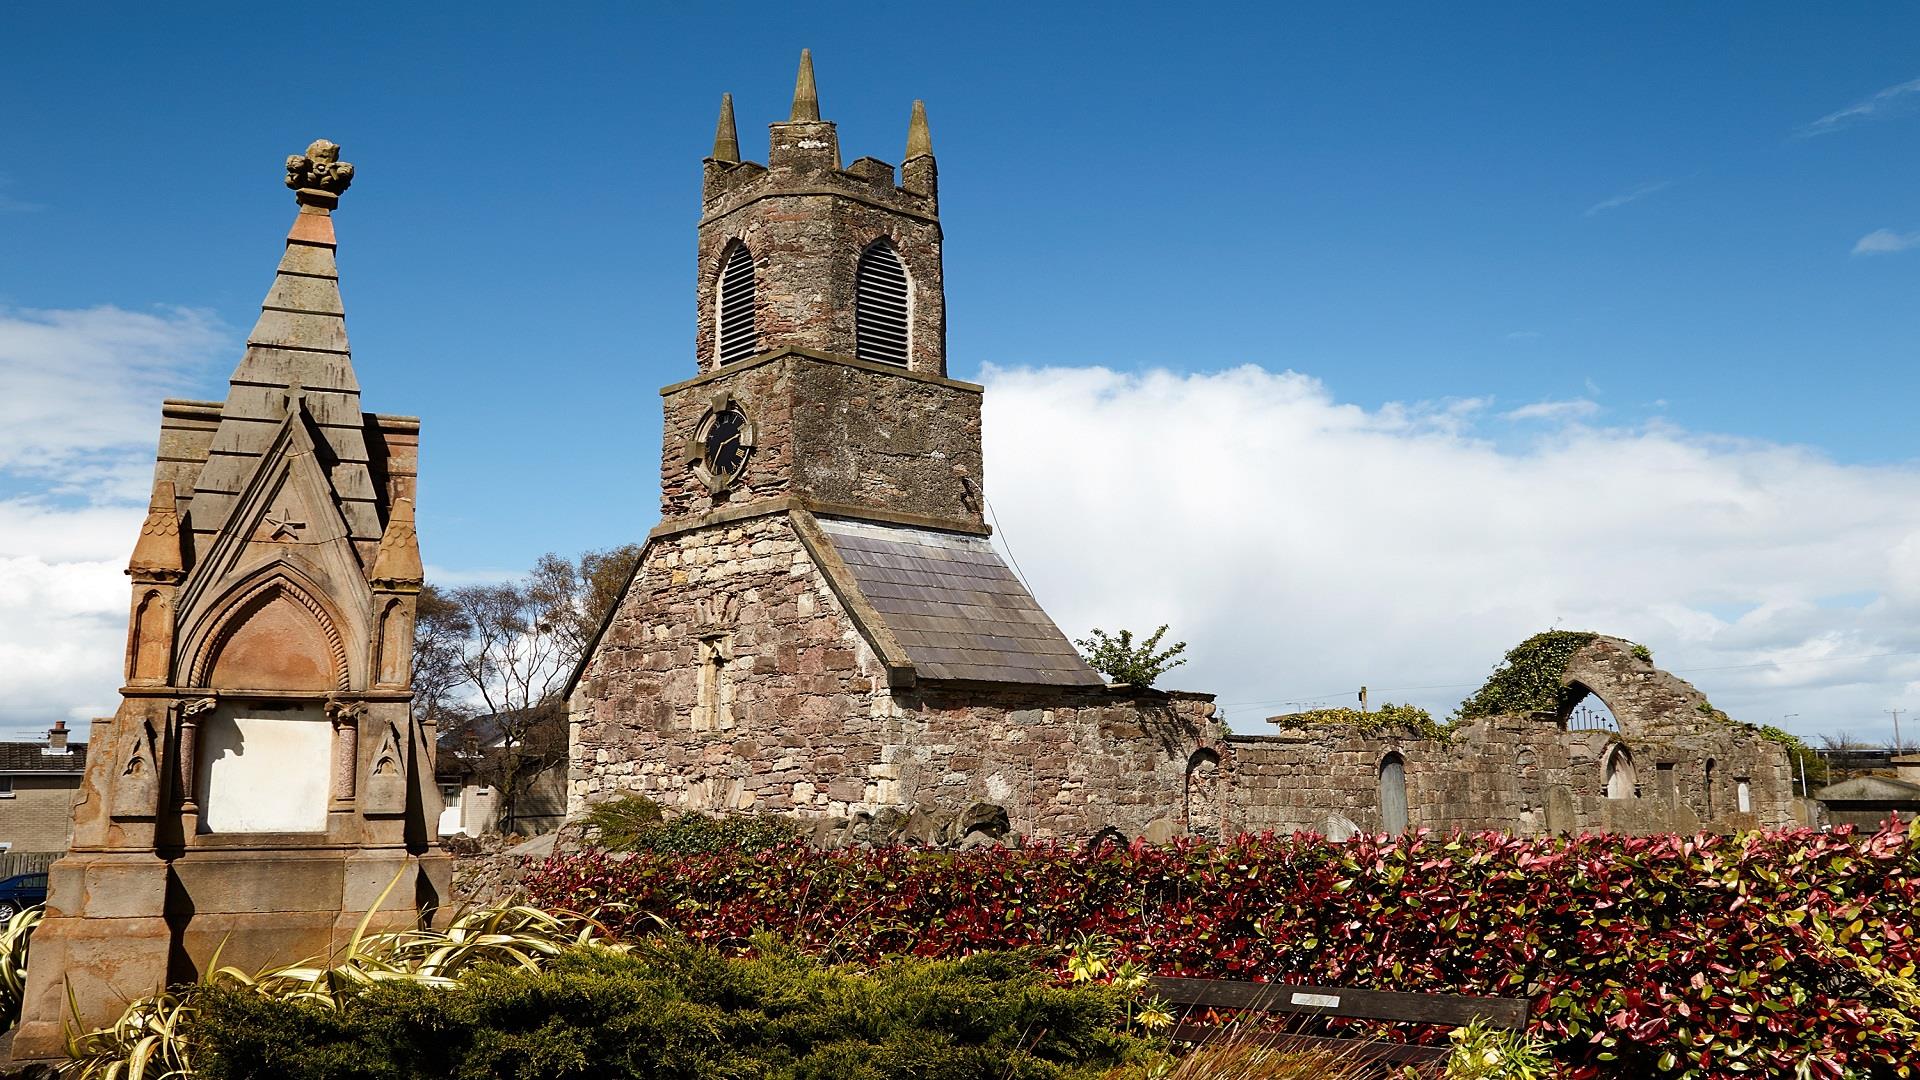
{"x": 820, "y": 624}
{"x": 263, "y": 784}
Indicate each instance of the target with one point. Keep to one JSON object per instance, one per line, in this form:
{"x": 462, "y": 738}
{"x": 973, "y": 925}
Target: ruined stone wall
{"x": 812, "y": 726}
{"x": 765, "y": 392}
{"x": 1528, "y": 774}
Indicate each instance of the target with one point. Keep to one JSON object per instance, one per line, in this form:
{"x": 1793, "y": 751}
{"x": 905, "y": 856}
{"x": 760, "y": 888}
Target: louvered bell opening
{"x": 738, "y": 338}
{"x": 880, "y": 306}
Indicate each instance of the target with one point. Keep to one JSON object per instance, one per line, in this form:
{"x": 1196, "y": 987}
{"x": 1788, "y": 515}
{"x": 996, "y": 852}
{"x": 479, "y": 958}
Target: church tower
{"x": 820, "y": 624}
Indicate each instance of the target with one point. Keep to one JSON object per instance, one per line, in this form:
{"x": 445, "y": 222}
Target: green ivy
{"x": 1411, "y": 717}
{"x": 1528, "y": 679}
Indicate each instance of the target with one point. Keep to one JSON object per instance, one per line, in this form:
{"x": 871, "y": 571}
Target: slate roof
{"x": 956, "y": 609}
{"x": 32, "y": 757}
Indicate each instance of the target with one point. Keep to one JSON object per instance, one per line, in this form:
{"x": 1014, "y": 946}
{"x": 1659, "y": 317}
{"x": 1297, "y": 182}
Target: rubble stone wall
{"x": 811, "y": 725}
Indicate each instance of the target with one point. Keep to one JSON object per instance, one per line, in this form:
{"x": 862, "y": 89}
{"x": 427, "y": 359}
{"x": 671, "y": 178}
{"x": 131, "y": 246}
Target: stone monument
{"x": 263, "y": 784}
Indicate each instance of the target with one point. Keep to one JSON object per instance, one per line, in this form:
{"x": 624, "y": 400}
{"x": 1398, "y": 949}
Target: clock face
{"x": 721, "y": 444}
{"x": 724, "y": 449}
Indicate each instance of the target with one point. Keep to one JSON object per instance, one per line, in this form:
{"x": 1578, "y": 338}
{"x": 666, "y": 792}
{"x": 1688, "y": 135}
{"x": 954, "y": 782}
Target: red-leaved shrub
{"x": 1770, "y": 954}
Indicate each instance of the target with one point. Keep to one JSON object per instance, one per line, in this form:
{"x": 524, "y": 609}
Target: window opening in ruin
{"x": 739, "y": 337}
{"x": 1743, "y": 795}
{"x": 713, "y": 704}
{"x": 880, "y": 305}
{"x": 1666, "y": 782}
{"x": 1203, "y": 774}
{"x": 1621, "y": 781}
{"x": 1591, "y": 714}
{"x": 1707, "y": 787}
{"x": 1393, "y": 794}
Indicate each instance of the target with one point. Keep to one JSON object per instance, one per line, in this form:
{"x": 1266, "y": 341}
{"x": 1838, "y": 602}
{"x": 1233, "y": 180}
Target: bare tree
{"x": 512, "y": 647}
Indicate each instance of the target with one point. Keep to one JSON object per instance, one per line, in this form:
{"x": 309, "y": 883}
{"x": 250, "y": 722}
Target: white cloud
{"x": 1886, "y": 102}
{"x": 1575, "y": 409}
{"x": 1885, "y": 242}
{"x": 1624, "y": 198}
{"x": 78, "y": 424}
{"x": 1306, "y": 547}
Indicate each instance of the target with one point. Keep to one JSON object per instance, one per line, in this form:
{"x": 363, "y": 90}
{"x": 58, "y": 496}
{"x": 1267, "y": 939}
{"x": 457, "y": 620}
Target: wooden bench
{"x": 1450, "y": 1010}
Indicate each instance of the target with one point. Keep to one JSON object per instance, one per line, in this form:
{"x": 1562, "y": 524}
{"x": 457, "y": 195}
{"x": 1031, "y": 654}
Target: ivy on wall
{"x": 1528, "y": 678}
{"x": 1411, "y": 718}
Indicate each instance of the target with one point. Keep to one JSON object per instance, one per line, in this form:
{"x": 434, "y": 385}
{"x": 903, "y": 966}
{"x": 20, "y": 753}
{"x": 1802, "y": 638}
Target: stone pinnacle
{"x": 919, "y": 142}
{"x": 806, "y": 98}
{"x": 726, "y": 142}
{"x": 318, "y": 177}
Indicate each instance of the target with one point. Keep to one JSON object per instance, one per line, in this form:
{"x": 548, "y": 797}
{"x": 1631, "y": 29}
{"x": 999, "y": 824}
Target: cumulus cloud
{"x": 1890, "y": 101}
{"x": 1306, "y": 547}
{"x": 1626, "y": 197}
{"x": 1885, "y": 242}
{"x": 78, "y": 423}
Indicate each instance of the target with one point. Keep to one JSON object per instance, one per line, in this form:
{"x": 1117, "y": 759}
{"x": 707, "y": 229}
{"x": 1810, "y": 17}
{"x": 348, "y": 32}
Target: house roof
{"x": 1876, "y": 789}
{"x": 34, "y": 757}
{"x": 954, "y": 607}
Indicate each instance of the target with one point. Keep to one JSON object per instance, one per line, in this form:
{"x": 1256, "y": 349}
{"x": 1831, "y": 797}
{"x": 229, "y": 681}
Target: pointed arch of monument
{"x": 277, "y": 583}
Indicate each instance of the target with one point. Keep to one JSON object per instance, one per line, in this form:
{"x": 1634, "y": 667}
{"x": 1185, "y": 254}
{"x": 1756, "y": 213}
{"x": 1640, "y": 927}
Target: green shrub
{"x": 1528, "y": 677}
{"x": 1119, "y": 659}
{"x": 673, "y": 1009}
{"x": 713, "y": 834}
{"x": 1411, "y": 717}
{"x": 619, "y": 822}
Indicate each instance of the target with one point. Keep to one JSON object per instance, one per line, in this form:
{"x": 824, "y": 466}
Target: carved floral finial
{"x": 319, "y": 176}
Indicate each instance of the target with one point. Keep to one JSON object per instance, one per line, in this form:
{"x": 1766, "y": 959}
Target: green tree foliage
{"x": 672, "y": 1009}
{"x": 1119, "y": 659}
{"x": 1528, "y": 678}
{"x": 635, "y": 823}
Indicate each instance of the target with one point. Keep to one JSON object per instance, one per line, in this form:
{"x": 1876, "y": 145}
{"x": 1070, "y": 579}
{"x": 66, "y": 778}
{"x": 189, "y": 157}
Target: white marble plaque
{"x": 265, "y": 769}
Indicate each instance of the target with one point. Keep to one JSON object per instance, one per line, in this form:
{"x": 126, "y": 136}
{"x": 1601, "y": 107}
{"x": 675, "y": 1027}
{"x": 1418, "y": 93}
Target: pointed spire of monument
{"x": 157, "y": 555}
{"x": 806, "y": 97}
{"x": 726, "y": 141}
{"x": 919, "y": 141}
{"x": 397, "y": 564}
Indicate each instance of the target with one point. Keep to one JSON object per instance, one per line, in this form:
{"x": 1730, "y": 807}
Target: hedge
{"x": 673, "y": 1010}
{"x": 1767, "y": 954}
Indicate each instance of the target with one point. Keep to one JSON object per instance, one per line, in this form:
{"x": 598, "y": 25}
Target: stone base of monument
{"x": 120, "y": 926}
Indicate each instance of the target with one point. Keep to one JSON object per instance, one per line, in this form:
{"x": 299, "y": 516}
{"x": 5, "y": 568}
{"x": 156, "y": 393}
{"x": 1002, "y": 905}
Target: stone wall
{"x": 1527, "y": 774}
{"x": 796, "y": 713}
{"x": 836, "y": 431}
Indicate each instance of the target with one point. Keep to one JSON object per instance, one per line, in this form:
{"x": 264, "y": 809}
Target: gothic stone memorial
{"x": 263, "y": 784}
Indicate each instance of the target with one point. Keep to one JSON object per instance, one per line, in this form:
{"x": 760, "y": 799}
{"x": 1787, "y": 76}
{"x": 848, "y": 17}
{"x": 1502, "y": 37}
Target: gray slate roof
{"x": 32, "y": 757}
{"x": 959, "y": 612}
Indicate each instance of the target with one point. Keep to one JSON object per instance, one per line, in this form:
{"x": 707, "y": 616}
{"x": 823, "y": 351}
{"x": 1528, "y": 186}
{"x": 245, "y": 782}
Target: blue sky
{"x": 1640, "y": 218}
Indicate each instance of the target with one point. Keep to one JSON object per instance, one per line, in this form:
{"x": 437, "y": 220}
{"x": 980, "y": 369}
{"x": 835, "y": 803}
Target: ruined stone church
{"x": 820, "y": 624}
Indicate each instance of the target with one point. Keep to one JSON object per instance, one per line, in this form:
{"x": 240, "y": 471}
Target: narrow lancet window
{"x": 1393, "y": 794}
{"x": 739, "y": 337}
{"x": 881, "y": 296}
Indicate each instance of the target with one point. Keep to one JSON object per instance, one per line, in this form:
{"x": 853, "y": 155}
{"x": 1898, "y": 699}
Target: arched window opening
{"x": 739, "y": 336}
{"x": 1591, "y": 714}
{"x": 1621, "y": 780}
{"x": 1202, "y": 796}
{"x": 880, "y": 305}
{"x": 1707, "y": 787}
{"x": 1743, "y": 795}
{"x": 1393, "y": 793}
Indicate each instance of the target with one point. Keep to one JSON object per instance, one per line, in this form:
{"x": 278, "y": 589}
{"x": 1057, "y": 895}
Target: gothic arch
{"x": 883, "y": 304}
{"x": 150, "y": 645}
{"x": 736, "y": 319}
{"x": 250, "y": 598}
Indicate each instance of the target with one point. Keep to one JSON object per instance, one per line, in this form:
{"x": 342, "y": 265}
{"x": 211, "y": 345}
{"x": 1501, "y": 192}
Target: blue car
{"x": 22, "y": 891}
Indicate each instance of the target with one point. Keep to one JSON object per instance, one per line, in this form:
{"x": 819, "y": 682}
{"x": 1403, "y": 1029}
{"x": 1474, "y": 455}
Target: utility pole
{"x": 1896, "y": 729}
{"x": 1363, "y": 700}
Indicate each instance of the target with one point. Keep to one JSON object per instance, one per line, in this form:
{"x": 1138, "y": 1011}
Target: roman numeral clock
{"x": 721, "y": 444}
